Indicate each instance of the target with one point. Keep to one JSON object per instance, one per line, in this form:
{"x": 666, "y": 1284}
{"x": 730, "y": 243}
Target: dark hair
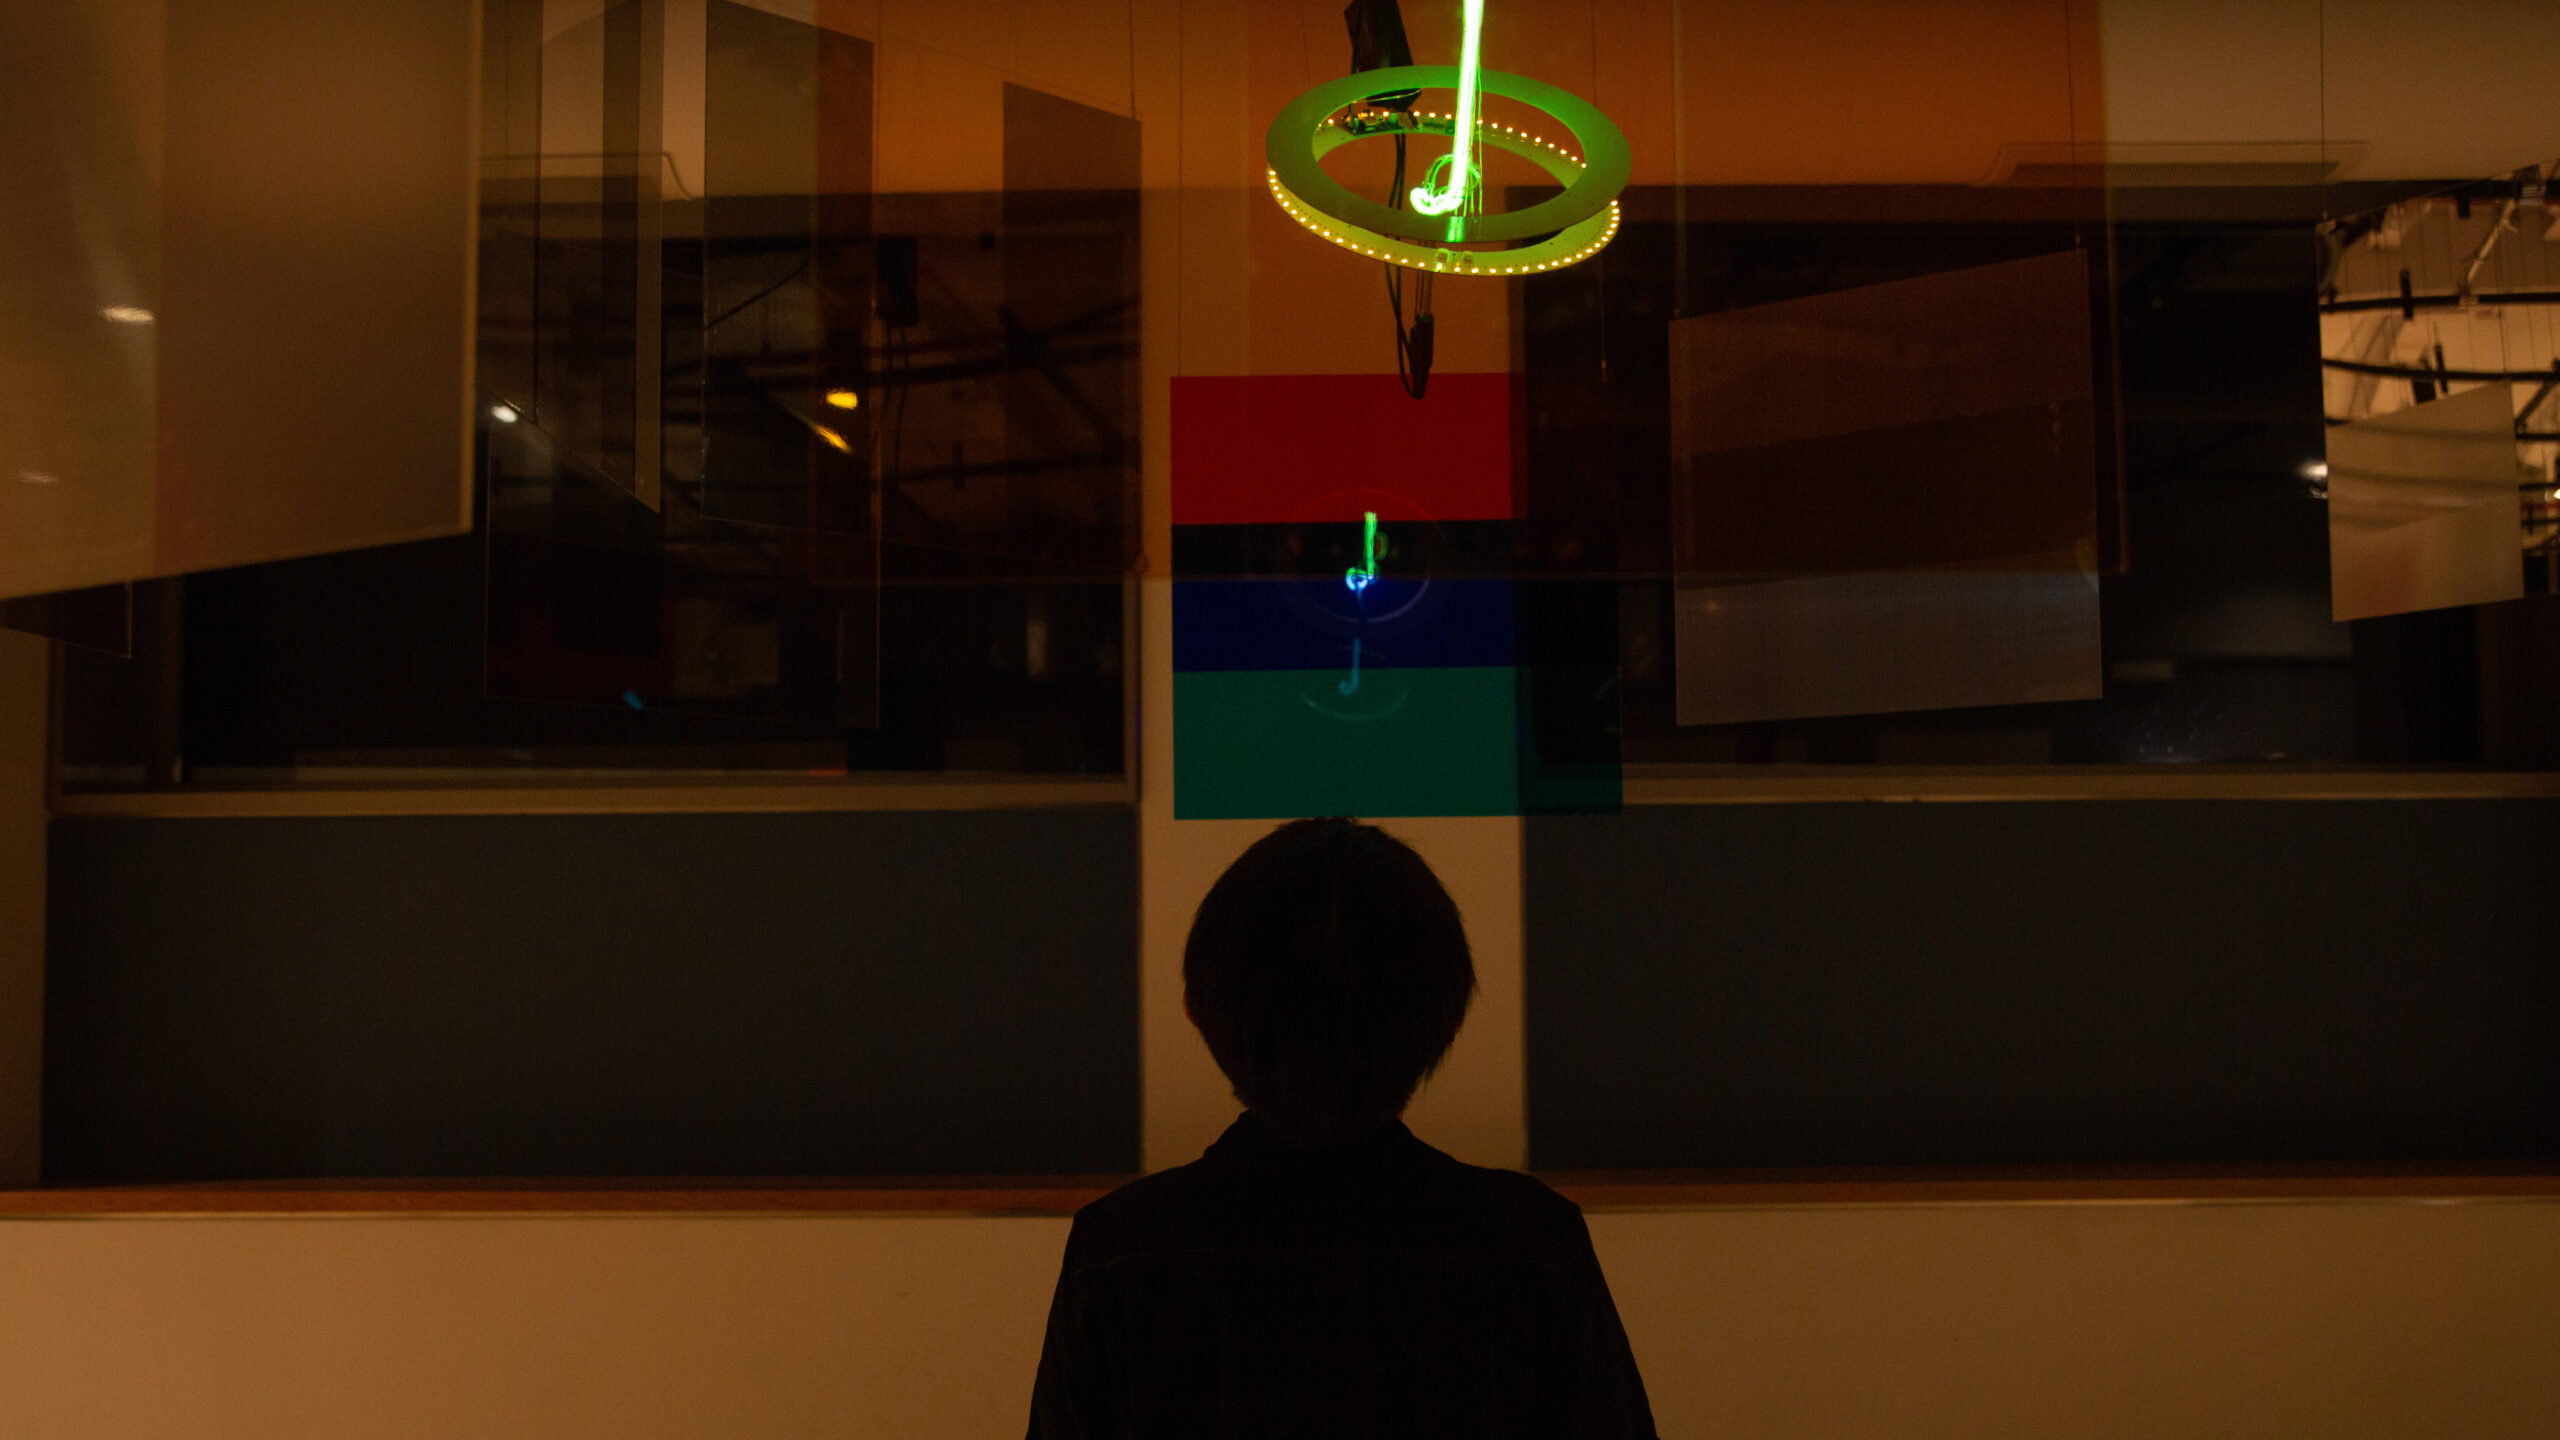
{"x": 1329, "y": 973}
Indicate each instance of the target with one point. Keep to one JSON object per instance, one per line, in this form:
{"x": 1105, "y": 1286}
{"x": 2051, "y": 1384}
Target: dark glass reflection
{"x": 2212, "y": 543}
{"x": 782, "y": 476}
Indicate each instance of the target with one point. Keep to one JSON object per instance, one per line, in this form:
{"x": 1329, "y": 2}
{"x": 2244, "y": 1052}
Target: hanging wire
{"x": 1413, "y": 343}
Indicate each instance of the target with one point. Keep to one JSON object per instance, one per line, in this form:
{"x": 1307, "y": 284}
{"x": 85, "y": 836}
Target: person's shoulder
{"x": 1141, "y": 1212}
{"x": 1209, "y": 1204}
{"x": 1514, "y": 1203}
{"x": 1144, "y": 1194}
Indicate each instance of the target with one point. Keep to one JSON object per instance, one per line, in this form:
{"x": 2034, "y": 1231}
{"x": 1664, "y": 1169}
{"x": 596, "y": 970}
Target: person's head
{"x": 1329, "y": 973}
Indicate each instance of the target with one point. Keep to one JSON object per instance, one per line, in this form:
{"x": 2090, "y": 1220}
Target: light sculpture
{"x": 1448, "y": 207}
{"x": 1359, "y": 577}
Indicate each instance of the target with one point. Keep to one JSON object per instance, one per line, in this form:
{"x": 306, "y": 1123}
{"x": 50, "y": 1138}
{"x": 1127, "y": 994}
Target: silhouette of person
{"x": 1320, "y": 1271}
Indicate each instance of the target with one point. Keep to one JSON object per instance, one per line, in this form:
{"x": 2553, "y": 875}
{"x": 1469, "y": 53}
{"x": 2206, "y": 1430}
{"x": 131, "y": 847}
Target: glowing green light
{"x": 1359, "y": 577}
{"x": 1561, "y": 231}
{"x": 1451, "y": 199}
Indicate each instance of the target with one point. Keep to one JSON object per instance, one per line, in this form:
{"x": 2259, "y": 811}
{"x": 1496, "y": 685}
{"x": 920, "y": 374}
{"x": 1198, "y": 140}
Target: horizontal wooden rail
{"x": 1064, "y": 1194}
{"x": 618, "y": 796}
{"x": 2048, "y": 1185}
{"x": 1783, "y": 784}
{"x": 982, "y": 1195}
{"x": 1645, "y": 785}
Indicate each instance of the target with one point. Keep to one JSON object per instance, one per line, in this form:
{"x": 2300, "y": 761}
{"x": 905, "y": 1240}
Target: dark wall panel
{"x": 1766, "y": 985}
{"x": 592, "y": 995}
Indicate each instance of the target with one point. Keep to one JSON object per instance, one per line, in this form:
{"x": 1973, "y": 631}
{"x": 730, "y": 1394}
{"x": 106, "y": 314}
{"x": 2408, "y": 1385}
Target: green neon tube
{"x": 1360, "y": 576}
{"x": 1451, "y": 198}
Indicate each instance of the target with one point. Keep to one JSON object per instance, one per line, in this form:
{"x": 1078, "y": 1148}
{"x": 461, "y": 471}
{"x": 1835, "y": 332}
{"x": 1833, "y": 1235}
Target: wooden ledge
{"x": 947, "y": 1194}
{"x": 2052, "y": 1185}
{"x": 1598, "y": 1191}
{"x": 603, "y": 794}
{"x": 1648, "y": 784}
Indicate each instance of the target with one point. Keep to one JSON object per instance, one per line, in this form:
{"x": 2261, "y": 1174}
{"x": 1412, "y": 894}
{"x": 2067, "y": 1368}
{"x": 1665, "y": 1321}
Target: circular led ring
{"x": 1576, "y": 223}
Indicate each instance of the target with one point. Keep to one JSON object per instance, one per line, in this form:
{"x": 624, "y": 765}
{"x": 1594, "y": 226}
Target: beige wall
{"x": 24, "y": 665}
{"x": 2337, "y": 1322}
{"x": 2398, "y": 89}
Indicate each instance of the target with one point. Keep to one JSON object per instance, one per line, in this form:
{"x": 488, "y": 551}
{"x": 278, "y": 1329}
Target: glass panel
{"x": 235, "y": 322}
{"x": 594, "y": 599}
{"x": 509, "y": 329}
{"x": 99, "y": 618}
{"x": 1886, "y": 498}
{"x": 2216, "y": 631}
{"x": 787, "y": 274}
{"x": 120, "y": 711}
{"x": 864, "y": 308}
{"x": 1873, "y": 532}
{"x": 315, "y": 326}
{"x": 1064, "y": 335}
{"x": 676, "y": 364}
{"x": 603, "y": 220}
{"x": 741, "y": 625}
{"x": 81, "y": 103}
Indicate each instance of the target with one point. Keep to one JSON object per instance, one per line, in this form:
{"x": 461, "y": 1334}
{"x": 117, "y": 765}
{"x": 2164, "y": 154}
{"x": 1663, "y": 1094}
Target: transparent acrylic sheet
{"x": 2447, "y": 304}
{"x": 234, "y": 281}
{"x": 611, "y": 268}
{"x": 1885, "y": 498}
{"x": 315, "y": 327}
{"x": 120, "y": 711}
{"x": 81, "y": 100}
{"x": 369, "y": 667}
{"x": 595, "y": 599}
{"x": 2423, "y": 508}
{"x": 98, "y": 618}
{"x": 609, "y": 582}
{"x": 806, "y": 361}
{"x": 786, "y": 273}
{"x": 508, "y": 369}
{"x": 953, "y": 370}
